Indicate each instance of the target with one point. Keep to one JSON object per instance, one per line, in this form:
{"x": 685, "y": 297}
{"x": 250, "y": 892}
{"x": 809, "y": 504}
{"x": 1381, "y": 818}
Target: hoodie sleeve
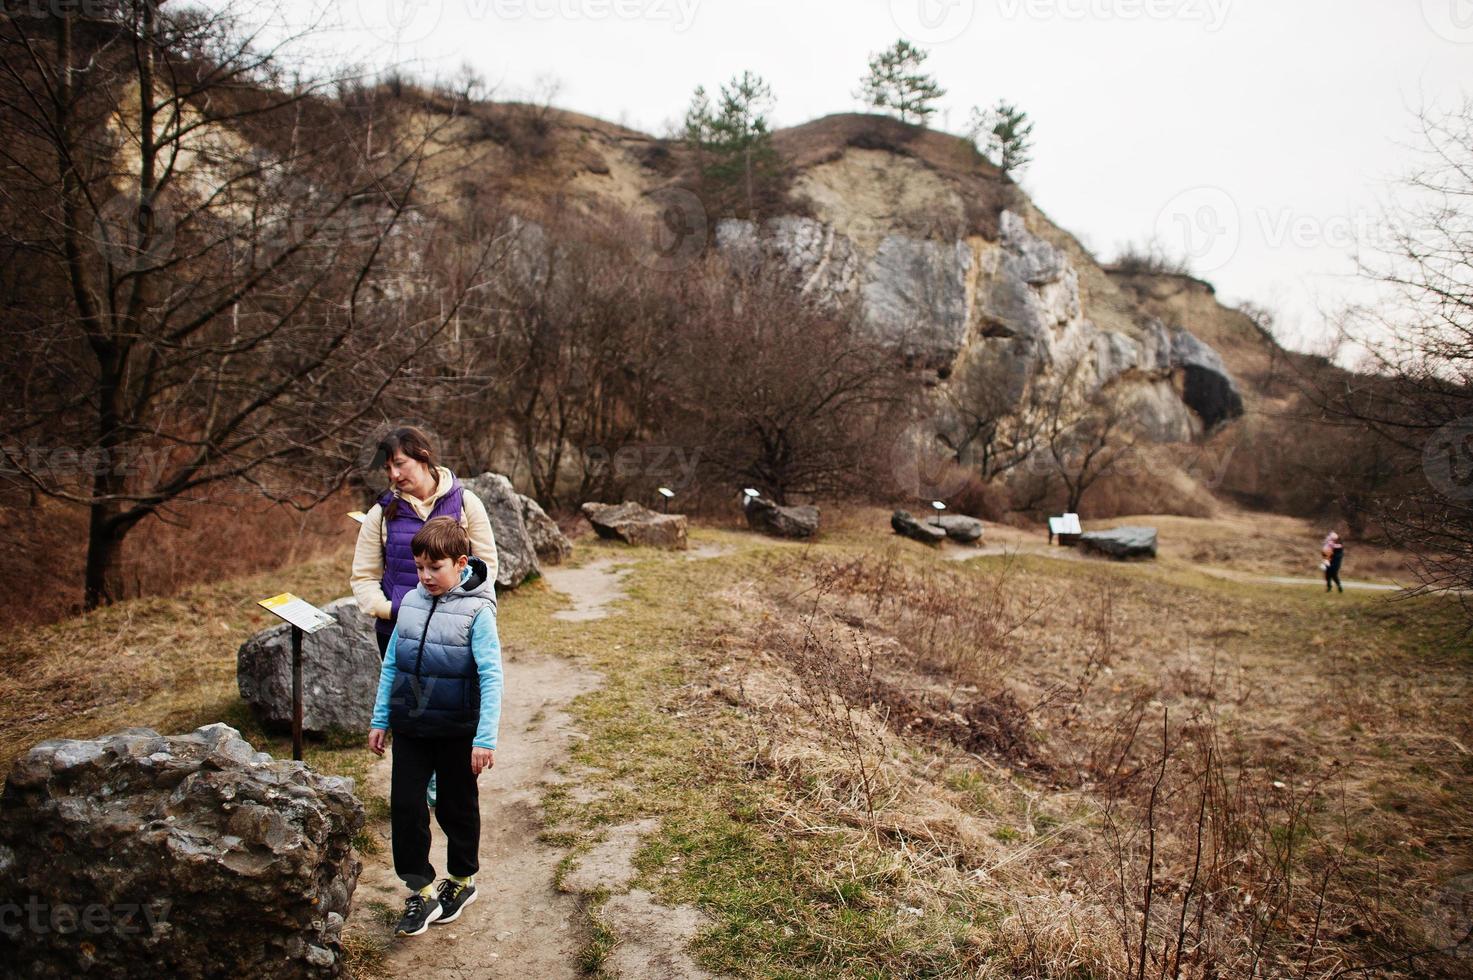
{"x": 385, "y": 685}
{"x": 478, "y": 526}
{"x": 366, "y": 578}
{"x": 486, "y": 648}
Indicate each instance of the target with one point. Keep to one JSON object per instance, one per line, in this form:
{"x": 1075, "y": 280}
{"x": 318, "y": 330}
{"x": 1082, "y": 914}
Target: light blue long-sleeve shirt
{"x": 486, "y": 649}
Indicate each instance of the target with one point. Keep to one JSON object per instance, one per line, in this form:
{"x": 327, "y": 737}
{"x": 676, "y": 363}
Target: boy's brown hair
{"x": 441, "y": 537}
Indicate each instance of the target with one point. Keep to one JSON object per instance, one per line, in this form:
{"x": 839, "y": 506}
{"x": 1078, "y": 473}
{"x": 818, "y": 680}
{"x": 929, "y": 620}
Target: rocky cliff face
{"x": 1010, "y": 310}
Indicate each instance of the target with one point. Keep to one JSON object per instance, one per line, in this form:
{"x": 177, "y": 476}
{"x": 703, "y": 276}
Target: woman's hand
{"x": 377, "y": 739}
{"x": 482, "y": 759}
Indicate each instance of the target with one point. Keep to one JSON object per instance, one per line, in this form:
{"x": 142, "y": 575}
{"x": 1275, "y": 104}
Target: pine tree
{"x": 1005, "y": 134}
{"x": 896, "y": 82}
{"x": 733, "y": 142}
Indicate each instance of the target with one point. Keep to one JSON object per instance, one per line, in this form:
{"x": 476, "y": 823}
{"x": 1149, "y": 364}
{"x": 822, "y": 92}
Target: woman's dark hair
{"x": 412, "y": 442}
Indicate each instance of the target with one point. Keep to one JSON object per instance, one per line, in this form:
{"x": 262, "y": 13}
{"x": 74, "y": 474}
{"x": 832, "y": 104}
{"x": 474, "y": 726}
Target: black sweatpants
{"x": 1332, "y": 573}
{"x": 457, "y": 807}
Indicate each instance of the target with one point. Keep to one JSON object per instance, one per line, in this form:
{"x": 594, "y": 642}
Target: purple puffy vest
{"x": 400, "y": 576}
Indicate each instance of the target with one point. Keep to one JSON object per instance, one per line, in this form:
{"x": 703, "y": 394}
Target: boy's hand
{"x": 377, "y": 738}
{"x": 482, "y": 759}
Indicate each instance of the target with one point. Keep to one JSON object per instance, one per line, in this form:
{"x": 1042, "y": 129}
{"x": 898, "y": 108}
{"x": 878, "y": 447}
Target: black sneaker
{"x": 453, "y": 898}
{"x": 419, "y": 912}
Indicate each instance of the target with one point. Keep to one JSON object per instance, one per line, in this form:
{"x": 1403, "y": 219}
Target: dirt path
{"x": 520, "y": 925}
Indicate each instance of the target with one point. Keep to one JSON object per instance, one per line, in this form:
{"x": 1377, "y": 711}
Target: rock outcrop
{"x": 340, "y": 670}
{"x": 516, "y": 555}
{"x": 548, "y": 541}
{"x": 959, "y": 527}
{"x": 143, "y": 855}
{"x": 1121, "y": 543}
{"x": 772, "y": 518}
{"x": 633, "y": 524}
{"x": 906, "y": 525}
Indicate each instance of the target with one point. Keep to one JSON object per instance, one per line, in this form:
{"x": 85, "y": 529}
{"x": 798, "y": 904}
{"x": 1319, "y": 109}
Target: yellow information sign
{"x": 299, "y": 612}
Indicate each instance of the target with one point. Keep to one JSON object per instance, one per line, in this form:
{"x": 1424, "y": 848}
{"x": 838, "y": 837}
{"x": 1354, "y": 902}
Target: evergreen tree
{"x": 895, "y": 82}
{"x": 1005, "y": 133}
{"x": 733, "y": 140}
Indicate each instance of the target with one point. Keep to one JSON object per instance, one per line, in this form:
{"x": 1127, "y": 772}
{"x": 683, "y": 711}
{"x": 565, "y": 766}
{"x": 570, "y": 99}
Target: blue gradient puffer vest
{"x": 400, "y": 577}
{"x": 436, "y": 689}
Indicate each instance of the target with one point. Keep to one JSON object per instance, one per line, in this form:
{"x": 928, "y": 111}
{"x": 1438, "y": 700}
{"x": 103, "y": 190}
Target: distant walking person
{"x": 1334, "y": 552}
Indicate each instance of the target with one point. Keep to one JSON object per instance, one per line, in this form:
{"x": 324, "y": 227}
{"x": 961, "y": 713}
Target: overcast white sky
{"x": 1255, "y": 135}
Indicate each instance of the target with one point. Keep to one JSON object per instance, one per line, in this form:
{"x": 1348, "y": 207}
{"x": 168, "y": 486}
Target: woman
{"x": 1334, "y": 552}
{"x": 383, "y": 566}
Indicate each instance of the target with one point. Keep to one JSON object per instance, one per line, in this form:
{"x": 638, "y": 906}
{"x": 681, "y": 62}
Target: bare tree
{"x": 1083, "y": 436}
{"x": 1415, "y": 391}
{"x": 226, "y": 266}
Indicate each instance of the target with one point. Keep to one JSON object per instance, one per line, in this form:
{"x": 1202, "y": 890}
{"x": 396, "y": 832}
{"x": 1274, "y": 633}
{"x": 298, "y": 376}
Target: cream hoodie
{"x": 368, "y": 554}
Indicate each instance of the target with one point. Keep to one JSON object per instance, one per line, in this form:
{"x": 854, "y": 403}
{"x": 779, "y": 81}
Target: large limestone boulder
{"x": 340, "y": 669}
{"x": 959, "y": 527}
{"x": 772, "y": 518}
{"x": 1122, "y": 543}
{"x": 143, "y": 855}
{"x": 516, "y": 555}
{"x": 548, "y": 540}
{"x": 906, "y": 525}
{"x": 633, "y": 524}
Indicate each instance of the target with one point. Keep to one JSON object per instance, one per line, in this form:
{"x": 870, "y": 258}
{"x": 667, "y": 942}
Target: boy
{"x": 440, "y": 693}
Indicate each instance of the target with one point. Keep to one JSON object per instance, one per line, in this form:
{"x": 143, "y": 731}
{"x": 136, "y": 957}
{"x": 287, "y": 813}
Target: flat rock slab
{"x": 908, "y": 526}
{"x": 959, "y": 527}
{"x": 770, "y": 517}
{"x": 637, "y": 525}
{"x": 1122, "y": 543}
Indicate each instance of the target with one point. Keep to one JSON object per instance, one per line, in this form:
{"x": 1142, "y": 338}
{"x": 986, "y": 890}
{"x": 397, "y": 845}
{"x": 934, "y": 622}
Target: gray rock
{"x": 959, "y": 527}
{"x": 633, "y": 524}
{"x": 145, "y": 855}
{"x": 908, "y": 526}
{"x": 340, "y": 669}
{"x": 1122, "y": 542}
{"x": 785, "y": 522}
{"x": 915, "y": 296}
{"x": 548, "y": 541}
{"x": 516, "y": 557}
{"x": 1207, "y": 385}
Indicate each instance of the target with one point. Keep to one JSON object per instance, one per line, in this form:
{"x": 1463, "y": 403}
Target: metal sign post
{"x": 304, "y": 618}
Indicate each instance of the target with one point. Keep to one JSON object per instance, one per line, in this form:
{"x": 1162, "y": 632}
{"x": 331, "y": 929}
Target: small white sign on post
{"x": 299, "y": 612}
{"x": 1068, "y": 524}
{"x": 358, "y": 516}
